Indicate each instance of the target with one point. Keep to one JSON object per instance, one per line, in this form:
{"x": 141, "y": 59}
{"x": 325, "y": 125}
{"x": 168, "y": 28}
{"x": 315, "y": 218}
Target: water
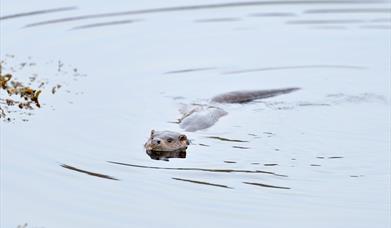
{"x": 316, "y": 157}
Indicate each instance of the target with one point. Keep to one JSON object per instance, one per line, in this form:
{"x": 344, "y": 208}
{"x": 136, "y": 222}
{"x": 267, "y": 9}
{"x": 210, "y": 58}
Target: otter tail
{"x": 250, "y": 95}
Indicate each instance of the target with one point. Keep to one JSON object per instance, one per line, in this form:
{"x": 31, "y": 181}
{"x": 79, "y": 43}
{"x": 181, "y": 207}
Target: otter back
{"x": 250, "y": 95}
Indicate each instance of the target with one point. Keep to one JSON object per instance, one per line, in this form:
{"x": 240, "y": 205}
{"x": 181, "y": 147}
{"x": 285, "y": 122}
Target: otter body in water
{"x": 198, "y": 117}
{"x": 238, "y": 97}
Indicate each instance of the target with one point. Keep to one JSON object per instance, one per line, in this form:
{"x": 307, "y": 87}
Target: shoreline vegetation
{"x": 24, "y": 97}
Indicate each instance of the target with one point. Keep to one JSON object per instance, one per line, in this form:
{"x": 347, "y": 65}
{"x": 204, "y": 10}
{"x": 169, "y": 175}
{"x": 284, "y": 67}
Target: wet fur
{"x": 250, "y": 95}
{"x": 166, "y": 141}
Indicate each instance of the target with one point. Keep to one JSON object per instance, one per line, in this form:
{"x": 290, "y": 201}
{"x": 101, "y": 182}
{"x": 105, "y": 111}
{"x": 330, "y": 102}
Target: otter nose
{"x": 156, "y": 141}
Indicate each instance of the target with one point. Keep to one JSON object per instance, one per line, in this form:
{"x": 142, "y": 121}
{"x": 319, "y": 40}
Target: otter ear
{"x": 183, "y": 138}
{"x": 152, "y": 132}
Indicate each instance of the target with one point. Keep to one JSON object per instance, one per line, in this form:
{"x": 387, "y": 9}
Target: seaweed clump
{"x": 19, "y": 95}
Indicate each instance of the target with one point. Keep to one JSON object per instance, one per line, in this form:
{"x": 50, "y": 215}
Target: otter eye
{"x": 169, "y": 140}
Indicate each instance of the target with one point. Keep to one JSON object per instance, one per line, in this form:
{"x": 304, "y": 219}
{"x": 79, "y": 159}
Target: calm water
{"x": 318, "y": 157}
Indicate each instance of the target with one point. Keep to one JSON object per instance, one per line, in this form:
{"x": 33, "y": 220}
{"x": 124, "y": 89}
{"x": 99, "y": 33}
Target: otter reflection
{"x": 165, "y": 155}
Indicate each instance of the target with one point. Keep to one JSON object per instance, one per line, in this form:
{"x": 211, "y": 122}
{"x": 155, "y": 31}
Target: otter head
{"x": 166, "y": 141}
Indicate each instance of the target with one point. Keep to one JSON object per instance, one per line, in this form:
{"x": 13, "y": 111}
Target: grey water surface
{"x": 316, "y": 157}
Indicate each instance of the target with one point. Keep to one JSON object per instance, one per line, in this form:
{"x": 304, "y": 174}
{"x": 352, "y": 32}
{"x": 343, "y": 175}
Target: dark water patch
{"x": 296, "y": 67}
{"x": 225, "y": 139}
{"x": 274, "y": 14}
{"x": 201, "y": 182}
{"x": 344, "y": 11}
{"x": 225, "y": 19}
{"x": 174, "y": 122}
{"x": 88, "y": 172}
{"x": 165, "y": 155}
{"x": 200, "y": 169}
{"x": 178, "y": 98}
{"x": 23, "y": 226}
{"x": 381, "y": 20}
{"x": 252, "y": 134}
{"x": 201, "y": 144}
{"x": 313, "y": 104}
{"x": 320, "y": 157}
{"x": 335, "y": 157}
{"x": 315, "y": 165}
{"x": 38, "y": 12}
{"x": 386, "y": 27}
{"x": 243, "y": 28}
{"x": 241, "y": 147}
{"x": 329, "y": 27}
{"x": 322, "y": 22}
{"x": 104, "y": 24}
{"x": 197, "y": 7}
{"x": 189, "y": 70}
{"x": 231, "y": 162}
{"x": 270, "y": 164}
{"x": 339, "y": 98}
{"x": 265, "y": 185}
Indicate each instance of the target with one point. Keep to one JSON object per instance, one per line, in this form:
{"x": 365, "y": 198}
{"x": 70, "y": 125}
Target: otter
{"x": 166, "y": 141}
{"x": 167, "y": 144}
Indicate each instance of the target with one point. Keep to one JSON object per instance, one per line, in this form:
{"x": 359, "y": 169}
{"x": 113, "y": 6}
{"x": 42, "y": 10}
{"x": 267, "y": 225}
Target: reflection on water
{"x": 334, "y": 157}
{"x": 386, "y": 27}
{"x": 226, "y": 139}
{"x": 199, "y": 7}
{"x": 296, "y": 67}
{"x": 329, "y": 27}
{"x": 200, "y": 169}
{"x": 347, "y": 21}
{"x": 190, "y": 70}
{"x": 88, "y": 172}
{"x": 38, "y": 12}
{"x": 201, "y": 144}
{"x": 165, "y": 155}
{"x": 225, "y": 19}
{"x": 274, "y": 14}
{"x": 331, "y": 133}
{"x": 270, "y": 164}
{"x": 103, "y": 24}
{"x": 265, "y": 185}
{"x": 344, "y": 11}
{"x": 241, "y": 147}
{"x": 377, "y": 20}
{"x": 201, "y": 182}
{"x": 232, "y": 162}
